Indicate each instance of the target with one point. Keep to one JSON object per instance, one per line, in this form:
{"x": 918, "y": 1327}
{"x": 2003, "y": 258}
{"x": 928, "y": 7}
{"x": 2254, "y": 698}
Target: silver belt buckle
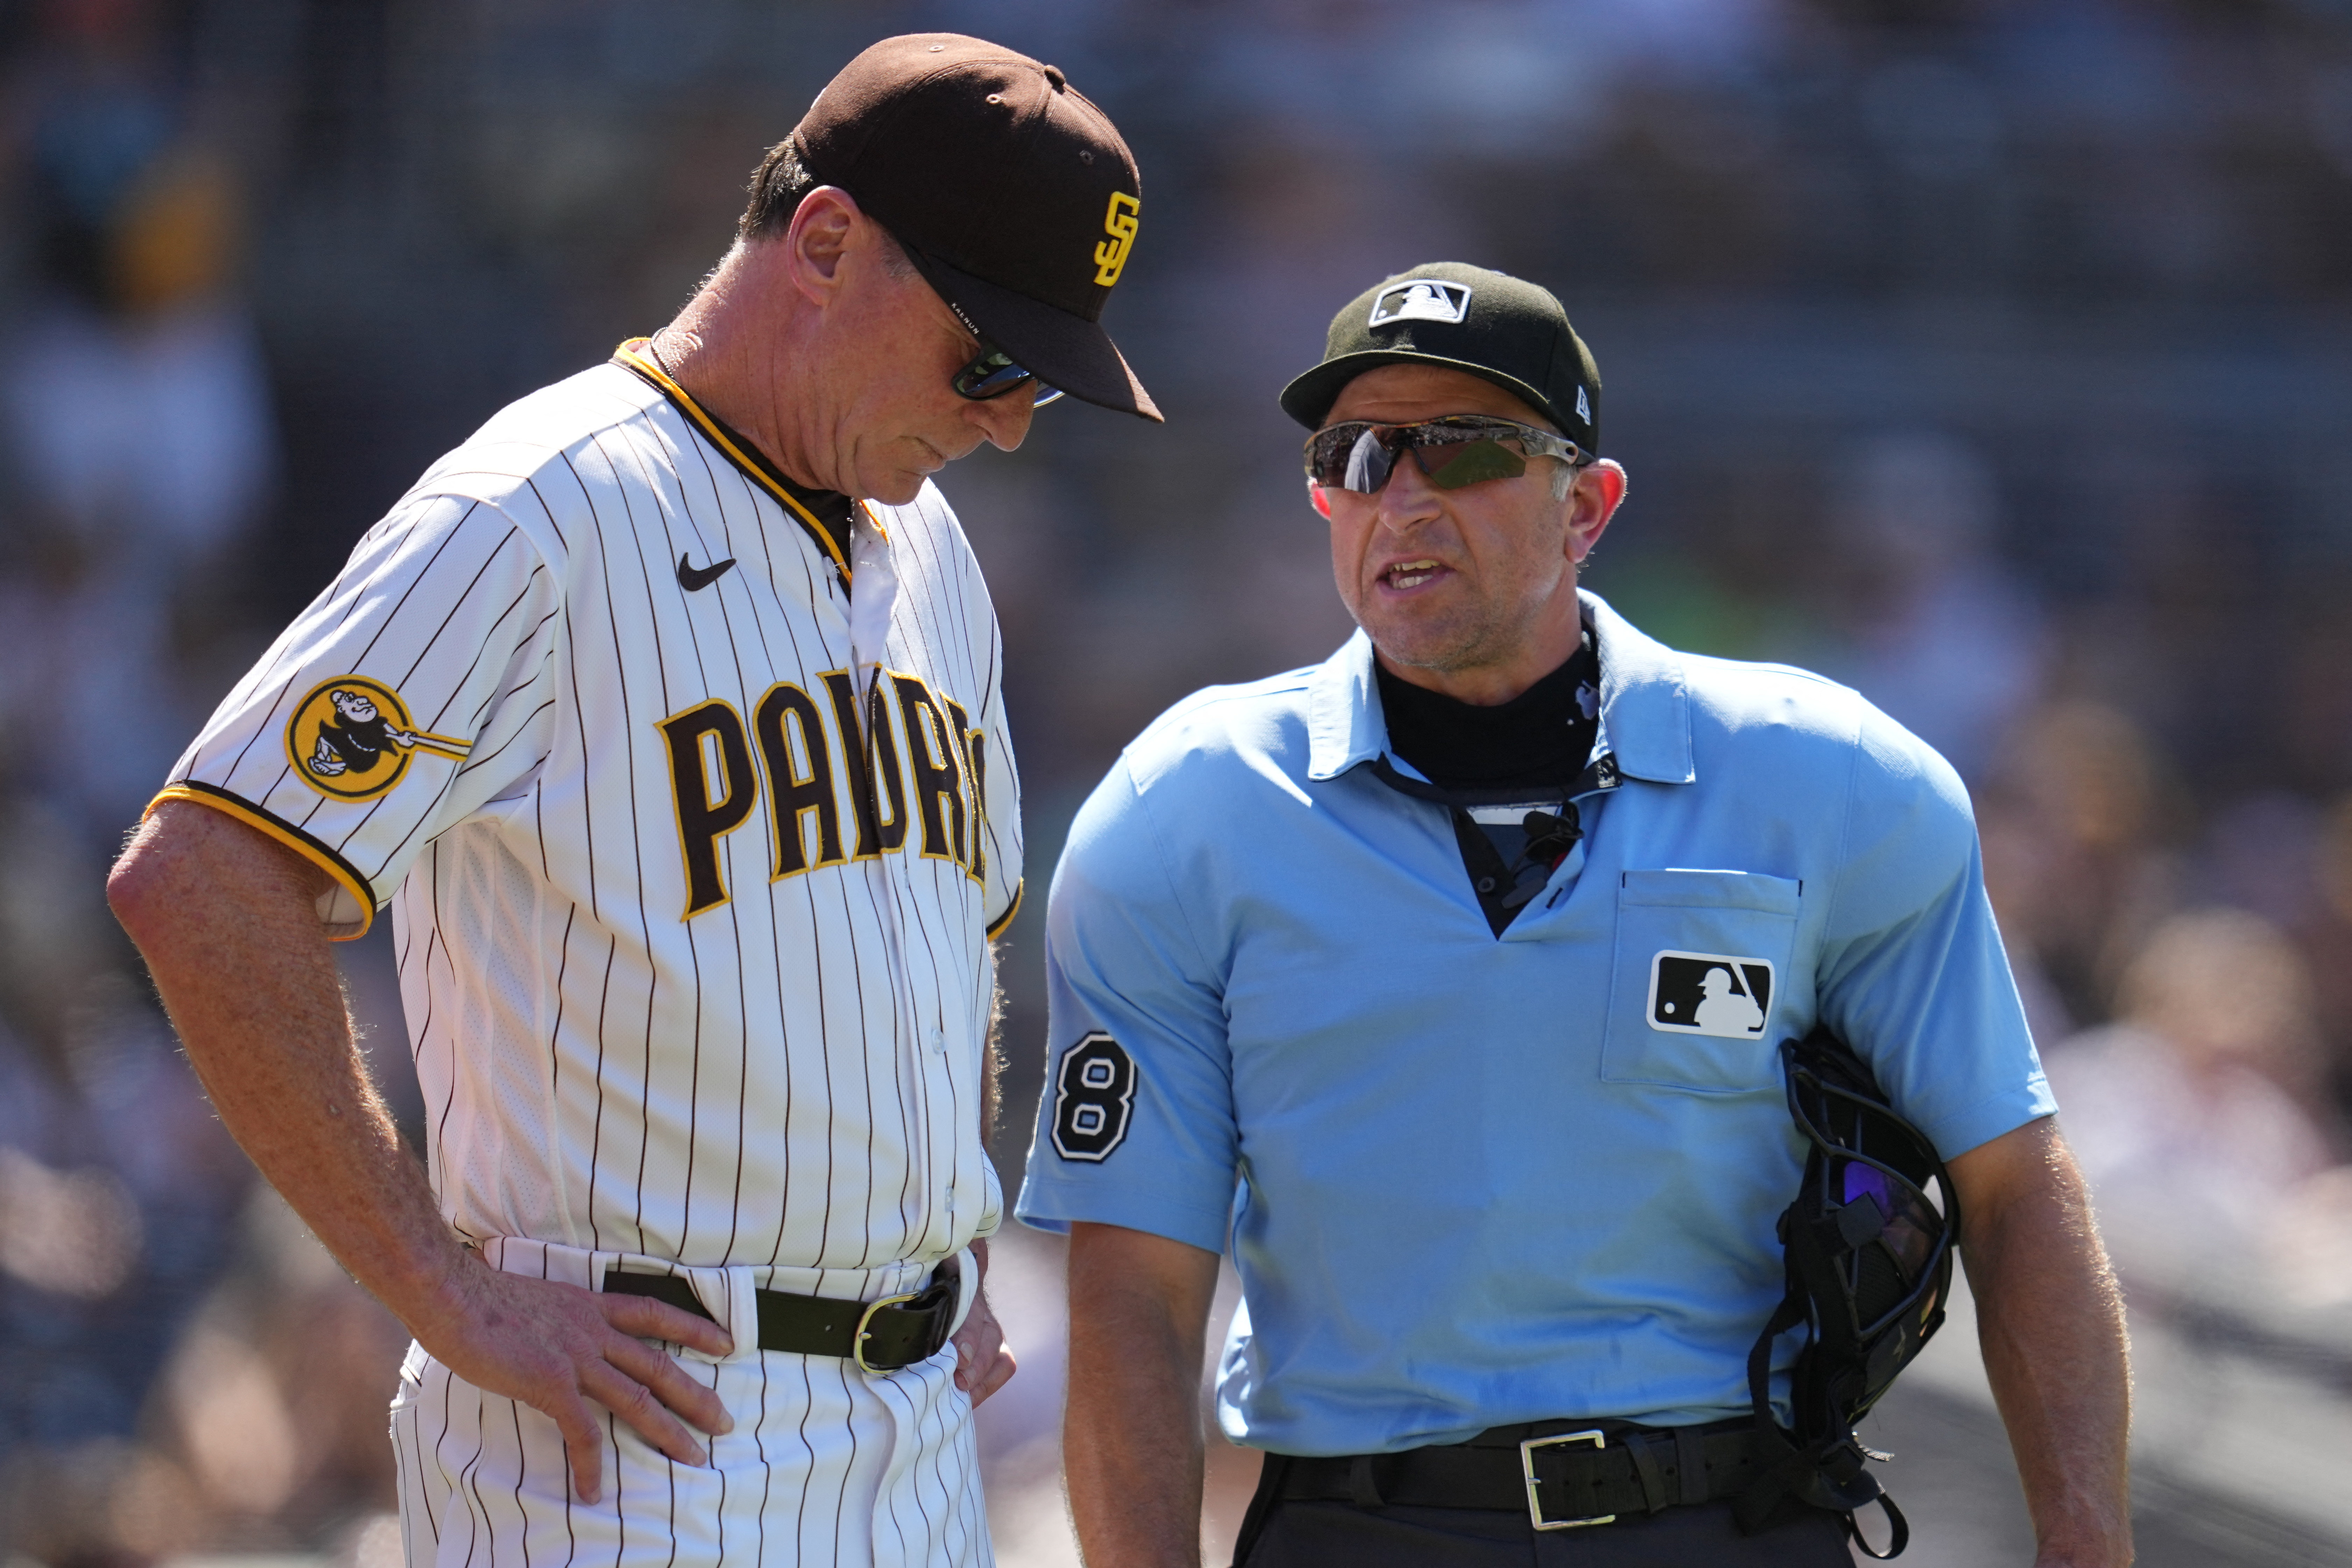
{"x": 1598, "y": 1438}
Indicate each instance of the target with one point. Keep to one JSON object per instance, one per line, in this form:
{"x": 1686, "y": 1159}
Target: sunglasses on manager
{"x": 992, "y": 373}
{"x": 1456, "y": 450}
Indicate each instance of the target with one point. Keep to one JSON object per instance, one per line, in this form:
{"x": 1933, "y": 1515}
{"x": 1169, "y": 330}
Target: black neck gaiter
{"x": 1541, "y": 738}
{"x": 1538, "y": 742}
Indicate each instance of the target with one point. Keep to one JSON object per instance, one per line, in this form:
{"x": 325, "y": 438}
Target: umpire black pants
{"x": 1341, "y": 1535}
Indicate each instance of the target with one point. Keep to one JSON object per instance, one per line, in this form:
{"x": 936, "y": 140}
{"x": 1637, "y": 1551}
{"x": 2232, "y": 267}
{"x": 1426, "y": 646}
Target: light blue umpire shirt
{"x": 1471, "y": 1180}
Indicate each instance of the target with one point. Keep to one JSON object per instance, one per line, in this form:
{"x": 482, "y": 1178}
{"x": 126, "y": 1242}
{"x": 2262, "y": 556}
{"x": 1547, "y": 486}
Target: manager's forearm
{"x": 2051, "y": 1323}
{"x": 225, "y": 920}
{"x": 1131, "y": 1449}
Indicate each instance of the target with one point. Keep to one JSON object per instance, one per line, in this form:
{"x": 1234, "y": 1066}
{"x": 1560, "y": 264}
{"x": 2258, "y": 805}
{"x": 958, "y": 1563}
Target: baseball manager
{"x": 665, "y": 713}
{"x": 1444, "y": 984}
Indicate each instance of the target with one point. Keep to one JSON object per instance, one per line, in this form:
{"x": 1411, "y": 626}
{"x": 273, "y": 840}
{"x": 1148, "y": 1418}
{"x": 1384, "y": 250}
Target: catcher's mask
{"x": 1868, "y": 1251}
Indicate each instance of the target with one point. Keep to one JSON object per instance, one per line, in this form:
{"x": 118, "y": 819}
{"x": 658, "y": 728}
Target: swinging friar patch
{"x": 351, "y": 738}
{"x": 1710, "y": 994}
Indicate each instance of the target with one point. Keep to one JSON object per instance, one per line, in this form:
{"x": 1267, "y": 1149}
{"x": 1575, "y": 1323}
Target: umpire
{"x": 1443, "y": 982}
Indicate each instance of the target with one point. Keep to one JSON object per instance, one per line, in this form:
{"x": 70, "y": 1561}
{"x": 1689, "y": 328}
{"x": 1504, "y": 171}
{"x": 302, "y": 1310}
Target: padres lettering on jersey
{"x": 717, "y": 788}
{"x": 694, "y": 898}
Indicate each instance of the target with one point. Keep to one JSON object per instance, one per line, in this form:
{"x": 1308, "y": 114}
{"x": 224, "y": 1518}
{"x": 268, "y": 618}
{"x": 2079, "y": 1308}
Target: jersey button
{"x": 939, "y": 1041}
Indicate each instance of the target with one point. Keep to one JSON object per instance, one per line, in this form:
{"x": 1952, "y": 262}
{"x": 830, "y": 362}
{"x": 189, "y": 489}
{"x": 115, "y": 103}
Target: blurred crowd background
{"x": 1990, "y": 356}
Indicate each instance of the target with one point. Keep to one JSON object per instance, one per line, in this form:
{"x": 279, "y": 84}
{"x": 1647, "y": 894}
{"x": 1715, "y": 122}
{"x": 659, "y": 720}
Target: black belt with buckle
{"x": 879, "y": 1336}
{"x": 1565, "y": 1476}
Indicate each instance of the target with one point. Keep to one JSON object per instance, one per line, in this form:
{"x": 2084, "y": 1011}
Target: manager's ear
{"x": 825, "y": 228}
{"x": 1599, "y": 491}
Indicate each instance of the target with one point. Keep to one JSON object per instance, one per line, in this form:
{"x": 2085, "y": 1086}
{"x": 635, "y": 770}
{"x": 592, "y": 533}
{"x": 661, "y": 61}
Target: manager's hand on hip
{"x": 562, "y": 1350}
{"x": 984, "y": 1363}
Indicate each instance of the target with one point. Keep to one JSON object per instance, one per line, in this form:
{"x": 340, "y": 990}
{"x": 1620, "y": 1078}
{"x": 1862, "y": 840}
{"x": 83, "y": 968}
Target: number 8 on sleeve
{"x": 1094, "y": 1096}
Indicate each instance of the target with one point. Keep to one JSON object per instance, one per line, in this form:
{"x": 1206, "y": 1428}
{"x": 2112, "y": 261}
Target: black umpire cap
{"x": 1489, "y": 324}
{"x": 1014, "y": 195}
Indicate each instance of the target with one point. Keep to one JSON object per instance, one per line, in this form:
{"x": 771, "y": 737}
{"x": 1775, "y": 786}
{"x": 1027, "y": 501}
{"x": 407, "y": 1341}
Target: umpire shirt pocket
{"x": 1695, "y": 988}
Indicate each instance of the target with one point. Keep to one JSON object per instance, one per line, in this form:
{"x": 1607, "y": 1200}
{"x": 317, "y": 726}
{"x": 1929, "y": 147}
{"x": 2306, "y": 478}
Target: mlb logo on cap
{"x": 1420, "y": 299}
{"x": 1489, "y": 324}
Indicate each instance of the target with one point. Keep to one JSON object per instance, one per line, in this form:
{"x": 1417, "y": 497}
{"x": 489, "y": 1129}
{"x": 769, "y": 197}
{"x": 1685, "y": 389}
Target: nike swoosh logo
{"x": 693, "y": 577}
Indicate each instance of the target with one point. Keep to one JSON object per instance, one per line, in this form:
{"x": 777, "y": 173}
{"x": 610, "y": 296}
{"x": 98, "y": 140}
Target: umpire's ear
{"x": 1593, "y": 500}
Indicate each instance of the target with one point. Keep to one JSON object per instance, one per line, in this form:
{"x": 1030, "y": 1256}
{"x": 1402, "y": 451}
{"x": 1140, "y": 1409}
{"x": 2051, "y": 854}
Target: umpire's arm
{"x": 1913, "y": 971}
{"x": 228, "y": 922}
{"x": 2050, "y": 1322}
{"x": 1131, "y": 1432}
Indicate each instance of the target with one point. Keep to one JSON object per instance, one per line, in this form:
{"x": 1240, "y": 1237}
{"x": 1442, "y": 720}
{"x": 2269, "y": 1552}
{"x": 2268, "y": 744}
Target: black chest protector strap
{"x": 1867, "y": 1248}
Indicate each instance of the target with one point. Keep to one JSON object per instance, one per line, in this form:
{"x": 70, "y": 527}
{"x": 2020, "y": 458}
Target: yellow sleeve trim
{"x": 996, "y": 927}
{"x": 631, "y": 354}
{"x": 345, "y": 875}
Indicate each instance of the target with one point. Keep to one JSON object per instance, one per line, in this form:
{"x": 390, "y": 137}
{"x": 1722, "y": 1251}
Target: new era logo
{"x": 1420, "y": 299}
{"x": 1710, "y": 994}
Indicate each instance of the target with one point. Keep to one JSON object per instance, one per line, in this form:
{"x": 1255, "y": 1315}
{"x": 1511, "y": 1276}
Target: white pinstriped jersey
{"x": 692, "y": 972}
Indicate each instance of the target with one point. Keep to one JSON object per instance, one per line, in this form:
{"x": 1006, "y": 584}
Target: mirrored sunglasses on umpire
{"x": 992, "y": 373}
{"x": 1456, "y": 450}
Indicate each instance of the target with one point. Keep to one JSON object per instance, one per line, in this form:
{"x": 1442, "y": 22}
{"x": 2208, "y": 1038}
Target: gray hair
{"x": 778, "y": 185}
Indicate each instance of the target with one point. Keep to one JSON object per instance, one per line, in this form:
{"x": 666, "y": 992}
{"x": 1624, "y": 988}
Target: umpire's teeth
{"x": 1411, "y": 574}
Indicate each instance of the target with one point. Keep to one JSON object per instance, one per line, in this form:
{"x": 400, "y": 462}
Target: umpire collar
{"x": 1645, "y": 704}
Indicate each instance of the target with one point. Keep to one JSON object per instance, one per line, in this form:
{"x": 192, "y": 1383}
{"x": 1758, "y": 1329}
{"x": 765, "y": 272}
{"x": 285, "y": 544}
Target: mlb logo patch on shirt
{"x": 1710, "y": 994}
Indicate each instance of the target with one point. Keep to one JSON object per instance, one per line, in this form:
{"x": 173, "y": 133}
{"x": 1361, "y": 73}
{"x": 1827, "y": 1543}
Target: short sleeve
{"x": 417, "y": 689}
{"x": 1136, "y": 1126}
{"x": 1913, "y": 974}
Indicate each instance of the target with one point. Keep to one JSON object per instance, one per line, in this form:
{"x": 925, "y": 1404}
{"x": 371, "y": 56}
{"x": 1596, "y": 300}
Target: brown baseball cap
{"x": 1013, "y": 194}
